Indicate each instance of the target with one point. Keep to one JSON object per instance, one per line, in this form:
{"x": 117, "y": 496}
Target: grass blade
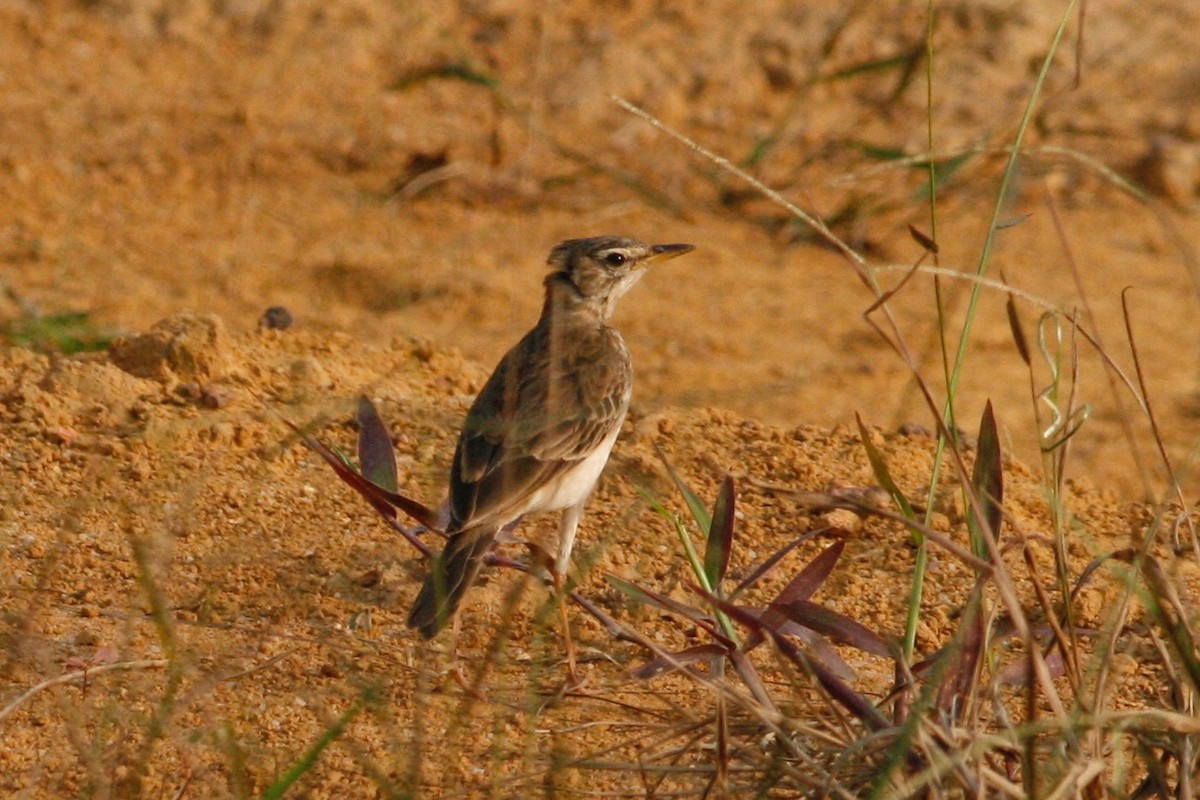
{"x": 694, "y": 503}
{"x": 720, "y": 534}
{"x": 940, "y": 172}
{"x": 331, "y": 734}
{"x": 882, "y": 473}
{"x": 685, "y": 538}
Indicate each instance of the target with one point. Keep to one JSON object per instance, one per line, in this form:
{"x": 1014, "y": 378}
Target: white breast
{"x": 573, "y": 487}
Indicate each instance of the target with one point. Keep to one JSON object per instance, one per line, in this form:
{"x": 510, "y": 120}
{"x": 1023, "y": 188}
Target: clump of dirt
{"x": 190, "y": 348}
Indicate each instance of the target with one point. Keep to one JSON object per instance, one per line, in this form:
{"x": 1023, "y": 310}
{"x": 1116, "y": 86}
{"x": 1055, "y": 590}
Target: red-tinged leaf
{"x": 1017, "y": 673}
{"x": 372, "y": 493}
{"x": 381, "y": 500}
{"x": 821, "y": 650}
{"x": 882, "y": 474}
{"x": 720, "y": 534}
{"x": 987, "y": 479}
{"x": 779, "y": 623}
{"x": 924, "y": 240}
{"x": 745, "y": 616}
{"x": 817, "y": 646}
{"x": 756, "y": 636}
{"x": 1018, "y": 330}
{"x": 772, "y": 560}
{"x": 851, "y": 700}
{"x": 813, "y": 575}
{"x": 376, "y": 458}
{"x": 965, "y": 653}
{"x": 701, "y": 652}
{"x": 838, "y": 627}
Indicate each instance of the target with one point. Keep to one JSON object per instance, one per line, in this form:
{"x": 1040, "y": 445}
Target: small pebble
{"x": 275, "y": 318}
{"x": 842, "y": 519}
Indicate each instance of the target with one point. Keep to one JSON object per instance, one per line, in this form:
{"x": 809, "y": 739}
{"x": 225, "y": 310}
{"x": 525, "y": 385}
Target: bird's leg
{"x": 566, "y": 542}
{"x": 566, "y": 537}
{"x": 455, "y": 630}
{"x": 457, "y": 670}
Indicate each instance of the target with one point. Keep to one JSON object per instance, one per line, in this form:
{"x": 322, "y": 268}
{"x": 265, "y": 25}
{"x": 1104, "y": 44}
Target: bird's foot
{"x": 573, "y": 680}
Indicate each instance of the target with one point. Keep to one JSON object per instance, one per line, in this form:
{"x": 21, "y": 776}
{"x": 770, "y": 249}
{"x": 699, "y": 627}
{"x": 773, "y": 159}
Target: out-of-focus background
{"x": 389, "y": 168}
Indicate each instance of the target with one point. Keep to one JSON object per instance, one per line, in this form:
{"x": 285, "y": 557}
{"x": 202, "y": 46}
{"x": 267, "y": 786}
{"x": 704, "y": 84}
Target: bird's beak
{"x": 663, "y": 252}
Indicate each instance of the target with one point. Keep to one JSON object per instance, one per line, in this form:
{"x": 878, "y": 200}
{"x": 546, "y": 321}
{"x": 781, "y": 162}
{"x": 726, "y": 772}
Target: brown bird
{"x": 538, "y": 435}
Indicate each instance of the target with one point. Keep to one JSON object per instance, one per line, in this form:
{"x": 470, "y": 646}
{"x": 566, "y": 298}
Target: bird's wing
{"x": 536, "y": 417}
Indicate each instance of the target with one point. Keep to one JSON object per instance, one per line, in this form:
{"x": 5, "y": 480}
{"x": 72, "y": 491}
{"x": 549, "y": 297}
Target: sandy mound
{"x": 178, "y": 525}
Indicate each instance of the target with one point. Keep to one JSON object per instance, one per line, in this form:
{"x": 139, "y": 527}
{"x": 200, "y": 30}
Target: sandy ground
{"x": 394, "y": 174}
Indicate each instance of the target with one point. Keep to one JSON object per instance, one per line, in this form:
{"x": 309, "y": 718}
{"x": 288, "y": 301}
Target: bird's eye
{"x": 614, "y": 259}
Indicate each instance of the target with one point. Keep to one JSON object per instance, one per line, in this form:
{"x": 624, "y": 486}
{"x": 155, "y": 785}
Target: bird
{"x": 539, "y": 433}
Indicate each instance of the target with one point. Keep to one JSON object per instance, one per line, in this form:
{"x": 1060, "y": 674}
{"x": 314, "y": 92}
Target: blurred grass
{"x": 68, "y": 332}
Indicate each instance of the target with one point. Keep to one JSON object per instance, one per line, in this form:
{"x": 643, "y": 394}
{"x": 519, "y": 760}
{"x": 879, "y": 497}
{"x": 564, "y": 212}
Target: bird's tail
{"x": 453, "y": 571}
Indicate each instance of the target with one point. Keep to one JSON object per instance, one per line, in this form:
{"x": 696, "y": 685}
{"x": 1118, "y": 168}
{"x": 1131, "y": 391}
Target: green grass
{"x": 67, "y": 332}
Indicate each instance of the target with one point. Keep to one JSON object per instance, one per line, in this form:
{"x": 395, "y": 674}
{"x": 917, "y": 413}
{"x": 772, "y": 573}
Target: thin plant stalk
{"x": 960, "y": 357}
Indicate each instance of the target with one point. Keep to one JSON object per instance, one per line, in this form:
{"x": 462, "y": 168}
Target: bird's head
{"x": 601, "y": 269}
